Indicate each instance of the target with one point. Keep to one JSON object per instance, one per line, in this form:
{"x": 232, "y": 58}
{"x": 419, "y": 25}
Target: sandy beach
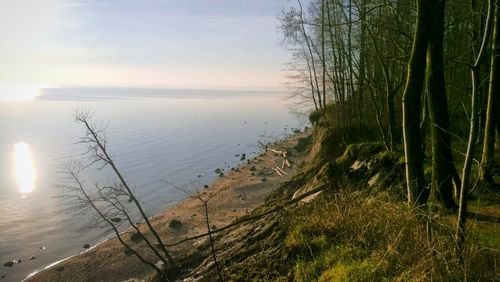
{"x": 230, "y": 197}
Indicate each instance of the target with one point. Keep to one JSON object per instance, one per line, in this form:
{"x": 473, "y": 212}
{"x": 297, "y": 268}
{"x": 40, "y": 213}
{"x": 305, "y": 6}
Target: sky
{"x": 142, "y": 43}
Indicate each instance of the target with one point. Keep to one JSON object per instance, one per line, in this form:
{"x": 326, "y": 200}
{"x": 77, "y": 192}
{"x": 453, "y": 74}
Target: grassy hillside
{"x": 344, "y": 217}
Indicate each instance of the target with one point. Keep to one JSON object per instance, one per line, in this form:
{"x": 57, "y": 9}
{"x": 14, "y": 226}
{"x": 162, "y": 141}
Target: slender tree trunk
{"x": 462, "y": 210}
{"x": 310, "y": 52}
{"x": 412, "y": 106}
{"x": 424, "y": 122}
{"x": 482, "y": 88}
{"x": 350, "y": 61}
{"x": 389, "y": 93}
{"x": 379, "y": 122}
{"x": 323, "y": 57}
{"x": 361, "y": 76}
{"x": 335, "y": 70}
{"x": 391, "y": 114}
{"x": 108, "y": 159}
{"x": 442, "y": 159}
{"x": 211, "y": 240}
{"x": 493, "y": 105}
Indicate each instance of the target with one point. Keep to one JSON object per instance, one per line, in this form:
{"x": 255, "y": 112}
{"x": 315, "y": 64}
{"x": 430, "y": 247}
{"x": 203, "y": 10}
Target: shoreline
{"x": 231, "y": 197}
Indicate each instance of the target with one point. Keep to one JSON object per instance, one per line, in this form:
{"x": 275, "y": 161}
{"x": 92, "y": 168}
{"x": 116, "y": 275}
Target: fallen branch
{"x": 248, "y": 218}
{"x": 276, "y": 151}
{"x": 285, "y": 163}
{"x": 279, "y": 171}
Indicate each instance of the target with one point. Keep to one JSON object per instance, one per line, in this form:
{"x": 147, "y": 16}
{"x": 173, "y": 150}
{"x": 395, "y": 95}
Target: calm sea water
{"x": 155, "y": 136}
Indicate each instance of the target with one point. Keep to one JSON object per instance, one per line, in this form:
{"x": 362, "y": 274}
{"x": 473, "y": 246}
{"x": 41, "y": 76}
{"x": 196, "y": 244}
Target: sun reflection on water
{"x": 18, "y": 92}
{"x": 24, "y": 168}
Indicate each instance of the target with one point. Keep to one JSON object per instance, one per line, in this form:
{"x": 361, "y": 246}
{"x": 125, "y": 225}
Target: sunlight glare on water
{"x": 24, "y": 168}
{"x": 18, "y": 91}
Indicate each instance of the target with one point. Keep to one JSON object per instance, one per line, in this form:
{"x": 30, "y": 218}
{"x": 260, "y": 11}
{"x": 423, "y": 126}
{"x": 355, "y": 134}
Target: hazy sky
{"x": 177, "y": 43}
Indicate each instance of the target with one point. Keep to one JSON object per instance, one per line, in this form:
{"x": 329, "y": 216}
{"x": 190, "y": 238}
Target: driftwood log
{"x": 279, "y": 171}
{"x": 285, "y": 163}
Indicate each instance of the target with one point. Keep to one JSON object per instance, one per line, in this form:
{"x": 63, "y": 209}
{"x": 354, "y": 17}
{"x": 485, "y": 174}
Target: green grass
{"x": 354, "y": 236}
{"x": 488, "y": 237}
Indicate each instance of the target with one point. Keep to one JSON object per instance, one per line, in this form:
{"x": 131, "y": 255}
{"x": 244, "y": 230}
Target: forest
{"x": 420, "y": 75}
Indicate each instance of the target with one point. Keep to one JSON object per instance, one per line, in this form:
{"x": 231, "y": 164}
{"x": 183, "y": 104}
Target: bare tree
{"x": 114, "y": 204}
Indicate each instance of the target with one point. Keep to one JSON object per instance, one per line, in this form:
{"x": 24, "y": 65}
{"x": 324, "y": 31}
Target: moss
{"x": 365, "y": 270}
{"x": 428, "y": 173}
{"x": 340, "y": 272}
{"x": 332, "y": 262}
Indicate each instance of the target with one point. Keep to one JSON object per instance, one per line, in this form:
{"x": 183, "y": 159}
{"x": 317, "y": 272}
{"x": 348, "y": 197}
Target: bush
{"x": 315, "y": 116}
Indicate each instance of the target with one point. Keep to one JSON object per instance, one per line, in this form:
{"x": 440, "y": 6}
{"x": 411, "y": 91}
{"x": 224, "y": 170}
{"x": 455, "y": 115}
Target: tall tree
{"x": 443, "y": 167}
{"x": 417, "y": 192}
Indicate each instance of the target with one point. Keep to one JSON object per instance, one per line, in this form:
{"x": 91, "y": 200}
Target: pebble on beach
{"x": 175, "y": 224}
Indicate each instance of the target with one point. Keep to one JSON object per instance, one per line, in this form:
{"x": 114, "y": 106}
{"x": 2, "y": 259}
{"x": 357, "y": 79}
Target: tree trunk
{"x": 389, "y": 101}
{"x": 417, "y": 193}
{"x": 462, "y": 211}
{"x": 309, "y": 49}
{"x": 442, "y": 159}
{"x": 323, "y": 57}
{"x": 361, "y": 76}
{"x": 493, "y": 106}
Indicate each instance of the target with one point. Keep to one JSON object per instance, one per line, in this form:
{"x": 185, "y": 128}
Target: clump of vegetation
{"x": 303, "y": 143}
{"x": 355, "y": 236}
{"x": 135, "y": 237}
{"x": 315, "y": 116}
